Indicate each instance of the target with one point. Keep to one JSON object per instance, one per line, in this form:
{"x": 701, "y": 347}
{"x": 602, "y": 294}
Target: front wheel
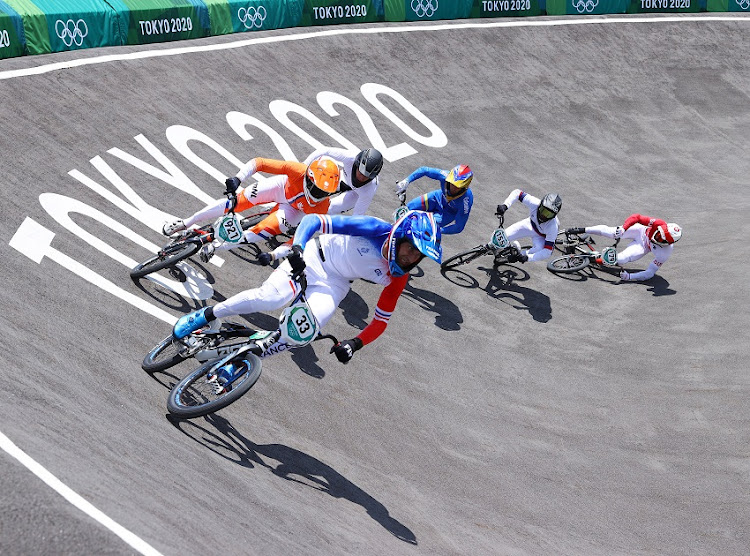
{"x": 196, "y": 396}
{"x": 568, "y": 264}
{"x": 164, "y": 355}
{"x": 465, "y": 257}
{"x": 169, "y": 256}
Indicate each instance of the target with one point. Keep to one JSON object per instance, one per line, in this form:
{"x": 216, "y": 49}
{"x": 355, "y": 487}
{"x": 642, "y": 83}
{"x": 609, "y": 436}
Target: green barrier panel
{"x": 661, "y": 6}
{"x": 332, "y": 12}
{"x": 423, "y": 10}
{"x": 728, "y": 5}
{"x": 586, "y": 7}
{"x": 258, "y": 15}
{"x": 150, "y": 21}
{"x": 12, "y": 39}
{"x": 504, "y": 8}
{"x": 58, "y": 25}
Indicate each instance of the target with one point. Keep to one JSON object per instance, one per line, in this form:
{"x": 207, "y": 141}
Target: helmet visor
{"x": 546, "y": 213}
{"x": 315, "y": 192}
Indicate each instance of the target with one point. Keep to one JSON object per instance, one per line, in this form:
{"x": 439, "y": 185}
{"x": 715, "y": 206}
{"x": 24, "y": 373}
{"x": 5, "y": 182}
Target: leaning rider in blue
{"x": 451, "y": 204}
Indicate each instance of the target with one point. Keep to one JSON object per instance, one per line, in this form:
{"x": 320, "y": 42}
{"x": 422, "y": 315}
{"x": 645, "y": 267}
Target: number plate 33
{"x": 298, "y": 325}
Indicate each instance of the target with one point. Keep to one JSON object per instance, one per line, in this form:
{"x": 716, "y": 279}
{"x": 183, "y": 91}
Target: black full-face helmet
{"x": 369, "y": 162}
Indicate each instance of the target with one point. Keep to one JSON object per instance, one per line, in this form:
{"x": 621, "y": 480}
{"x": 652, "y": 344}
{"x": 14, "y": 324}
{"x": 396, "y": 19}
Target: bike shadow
{"x": 502, "y": 285}
{"x": 657, "y": 285}
{"x": 289, "y": 464}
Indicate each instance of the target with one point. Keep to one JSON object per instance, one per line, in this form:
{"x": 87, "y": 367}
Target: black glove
{"x": 517, "y": 258}
{"x": 501, "y": 210}
{"x": 265, "y": 259}
{"x": 576, "y": 230}
{"x": 232, "y": 184}
{"x": 297, "y": 262}
{"x": 345, "y": 350}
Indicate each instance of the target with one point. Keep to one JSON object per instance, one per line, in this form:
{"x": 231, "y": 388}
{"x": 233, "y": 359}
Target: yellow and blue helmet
{"x": 459, "y": 177}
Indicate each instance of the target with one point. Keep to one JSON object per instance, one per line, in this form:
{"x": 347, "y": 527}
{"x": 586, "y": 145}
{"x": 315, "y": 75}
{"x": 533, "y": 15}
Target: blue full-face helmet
{"x": 420, "y": 229}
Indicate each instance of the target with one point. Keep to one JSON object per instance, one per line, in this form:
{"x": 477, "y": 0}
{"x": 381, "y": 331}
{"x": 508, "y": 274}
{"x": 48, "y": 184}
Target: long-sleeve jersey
{"x": 452, "y": 215}
{"x": 646, "y": 226}
{"x": 543, "y": 234}
{"x": 357, "y": 199}
{"x": 294, "y": 193}
{"x": 351, "y": 248}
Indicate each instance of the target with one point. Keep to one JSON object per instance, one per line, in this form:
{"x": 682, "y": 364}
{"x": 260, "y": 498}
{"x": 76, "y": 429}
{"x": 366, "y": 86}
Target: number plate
{"x": 499, "y": 239}
{"x": 298, "y": 325}
{"x": 229, "y": 229}
{"x": 609, "y": 256}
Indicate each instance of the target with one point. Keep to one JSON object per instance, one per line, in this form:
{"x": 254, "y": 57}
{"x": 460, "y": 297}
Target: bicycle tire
{"x": 193, "y": 397}
{"x": 164, "y": 355}
{"x": 465, "y": 257}
{"x": 250, "y": 221}
{"x": 568, "y": 264}
{"x": 169, "y": 256}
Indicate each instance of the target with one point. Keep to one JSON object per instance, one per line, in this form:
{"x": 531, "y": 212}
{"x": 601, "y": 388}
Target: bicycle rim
{"x": 169, "y": 256}
{"x": 568, "y": 264}
{"x": 164, "y": 355}
{"x": 465, "y": 257}
{"x": 194, "y": 396}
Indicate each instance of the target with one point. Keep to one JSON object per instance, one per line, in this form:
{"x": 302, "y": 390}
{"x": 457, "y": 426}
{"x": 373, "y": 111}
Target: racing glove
{"x": 518, "y": 258}
{"x": 297, "y": 262}
{"x": 232, "y": 184}
{"x": 501, "y": 209}
{"x": 624, "y": 275}
{"x": 401, "y": 187}
{"x": 344, "y": 351}
{"x": 576, "y": 230}
{"x": 265, "y": 259}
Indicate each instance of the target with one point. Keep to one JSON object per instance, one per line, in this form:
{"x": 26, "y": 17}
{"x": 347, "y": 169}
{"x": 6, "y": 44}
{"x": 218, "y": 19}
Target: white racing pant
{"x": 632, "y": 252}
{"x": 324, "y": 293}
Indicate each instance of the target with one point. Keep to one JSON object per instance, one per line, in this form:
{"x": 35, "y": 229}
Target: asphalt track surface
{"x": 504, "y": 411}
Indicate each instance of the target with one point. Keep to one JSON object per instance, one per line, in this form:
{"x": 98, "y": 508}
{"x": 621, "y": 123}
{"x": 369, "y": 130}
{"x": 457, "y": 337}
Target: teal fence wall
{"x": 44, "y": 26}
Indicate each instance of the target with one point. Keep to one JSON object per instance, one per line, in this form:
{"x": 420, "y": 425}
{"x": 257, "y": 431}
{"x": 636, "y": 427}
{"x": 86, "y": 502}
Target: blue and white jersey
{"x": 352, "y": 247}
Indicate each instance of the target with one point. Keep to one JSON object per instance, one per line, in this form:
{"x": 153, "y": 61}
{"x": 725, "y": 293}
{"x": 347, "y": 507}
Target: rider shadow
{"x": 288, "y": 464}
{"x": 502, "y": 285}
{"x": 354, "y": 310}
{"x": 659, "y": 286}
{"x": 448, "y": 317}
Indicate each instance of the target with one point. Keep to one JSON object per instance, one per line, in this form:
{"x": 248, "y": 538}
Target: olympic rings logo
{"x": 4, "y": 38}
{"x": 426, "y": 8}
{"x": 252, "y": 17}
{"x": 71, "y": 31}
{"x": 744, "y": 4}
{"x": 586, "y": 5}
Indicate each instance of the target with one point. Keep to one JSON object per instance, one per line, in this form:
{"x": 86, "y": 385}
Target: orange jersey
{"x": 294, "y": 188}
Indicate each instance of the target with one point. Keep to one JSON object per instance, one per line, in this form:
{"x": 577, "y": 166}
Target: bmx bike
{"x": 503, "y": 251}
{"x": 228, "y": 228}
{"x": 579, "y": 252}
{"x": 229, "y": 371}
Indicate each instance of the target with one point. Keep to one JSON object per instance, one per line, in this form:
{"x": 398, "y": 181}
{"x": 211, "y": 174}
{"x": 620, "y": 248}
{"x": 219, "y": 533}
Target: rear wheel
{"x": 465, "y": 257}
{"x": 568, "y": 264}
{"x": 168, "y": 256}
{"x": 195, "y": 396}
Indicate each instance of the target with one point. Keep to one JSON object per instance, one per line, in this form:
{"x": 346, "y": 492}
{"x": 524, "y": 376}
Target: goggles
{"x": 546, "y": 213}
